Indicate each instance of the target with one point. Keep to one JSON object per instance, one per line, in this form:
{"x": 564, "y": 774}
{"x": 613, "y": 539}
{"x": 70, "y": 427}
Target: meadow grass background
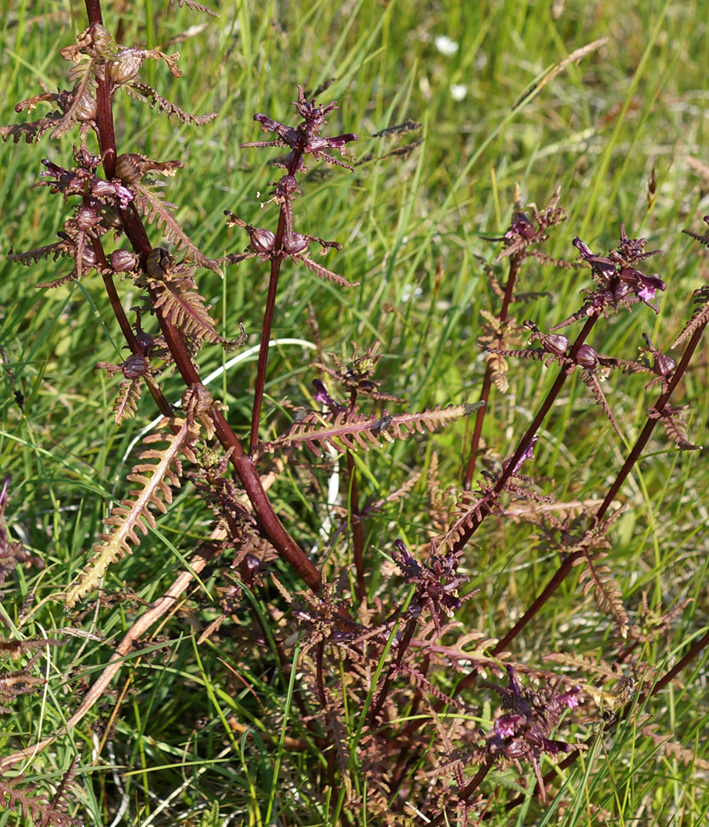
{"x": 411, "y": 227}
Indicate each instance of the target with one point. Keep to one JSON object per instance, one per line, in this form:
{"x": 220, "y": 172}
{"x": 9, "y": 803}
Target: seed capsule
{"x": 262, "y": 241}
{"x": 125, "y": 67}
{"x": 135, "y": 366}
{"x": 555, "y": 343}
{"x": 129, "y": 168}
{"x": 159, "y": 263}
{"x": 86, "y": 218}
{"x": 86, "y": 106}
{"x": 664, "y": 365}
{"x": 587, "y": 357}
{"x": 101, "y": 38}
{"x": 295, "y": 244}
{"x": 123, "y": 260}
{"x": 88, "y": 257}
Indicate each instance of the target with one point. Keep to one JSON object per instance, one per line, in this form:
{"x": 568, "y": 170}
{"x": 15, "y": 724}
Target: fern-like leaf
{"x": 31, "y": 132}
{"x": 699, "y": 319}
{"x": 155, "y": 209}
{"x": 73, "y": 114}
{"x": 184, "y": 306}
{"x": 34, "y": 130}
{"x": 190, "y": 4}
{"x": 126, "y": 403}
{"x": 677, "y": 432}
{"x": 60, "y": 282}
{"x": 323, "y": 273}
{"x": 599, "y": 668}
{"x": 19, "y": 682}
{"x": 143, "y": 92}
{"x": 590, "y": 380}
{"x": 59, "y": 800}
{"x": 607, "y": 593}
{"x": 498, "y": 370}
{"x": 55, "y": 250}
{"x": 156, "y": 472}
{"x": 33, "y": 807}
{"x": 668, "y": 747}
{"x": 350, "y": 430}
{"x": 470, "y": 508}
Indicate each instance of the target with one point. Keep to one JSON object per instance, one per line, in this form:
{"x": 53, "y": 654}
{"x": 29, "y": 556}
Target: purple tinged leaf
{"x": 528, "y": 454}
{"x": 405, "y": 561}
{"x": 584, "y": 249}
{"x": 323, "y": 397}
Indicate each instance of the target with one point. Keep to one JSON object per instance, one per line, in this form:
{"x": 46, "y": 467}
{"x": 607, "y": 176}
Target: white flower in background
{"x": 446, "y": 46}
{"x": 458, "y": 91}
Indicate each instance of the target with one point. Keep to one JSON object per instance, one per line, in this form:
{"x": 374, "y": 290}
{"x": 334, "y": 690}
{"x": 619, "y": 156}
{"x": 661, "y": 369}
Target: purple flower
{"x": 650, "y": 285}
{"x": 522, "y": 733}
{"x": 505, "y": 725}
{"x": 571, "y": 698}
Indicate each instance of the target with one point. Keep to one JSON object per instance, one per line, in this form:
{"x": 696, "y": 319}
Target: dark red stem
{"x": 515, "y": 262}
{"x": 642, "y": 440}
{"x": 357, "y": 532}
{"x": 527, "y": 438}
{"x": 266, "y": 328}
{"x": 271, "y": 526}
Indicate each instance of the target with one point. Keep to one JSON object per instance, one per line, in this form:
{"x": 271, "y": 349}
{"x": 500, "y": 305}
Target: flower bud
{"x": 145, "y": 341}
{"x": 285, "y": 190}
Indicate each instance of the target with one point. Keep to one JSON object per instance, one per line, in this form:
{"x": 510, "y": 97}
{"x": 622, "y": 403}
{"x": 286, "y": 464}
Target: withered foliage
{"x": 378, "y": 628}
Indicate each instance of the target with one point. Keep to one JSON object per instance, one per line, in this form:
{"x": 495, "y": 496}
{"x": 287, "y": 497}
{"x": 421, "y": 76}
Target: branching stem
{"x": 527, "y": 438}
{"x": 642, "y": 440}
{"x": 271, "y": 526}
{"x": 515, "y": 262}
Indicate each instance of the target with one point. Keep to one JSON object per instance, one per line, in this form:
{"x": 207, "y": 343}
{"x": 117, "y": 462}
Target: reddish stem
{"x": 266, "y": 328}
{"x": 642, "y": 440}
{"x": 515, "y": 262}
{"x": 357, "y": 533}
{"x": 526, "y": 439}
{"x": 276, "y": 258}
{"x": 271, "y": 526}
